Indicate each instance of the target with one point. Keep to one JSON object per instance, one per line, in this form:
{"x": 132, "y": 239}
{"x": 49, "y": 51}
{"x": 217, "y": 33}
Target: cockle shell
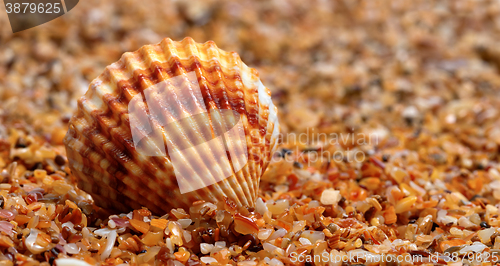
{"x": 172, "y": 124}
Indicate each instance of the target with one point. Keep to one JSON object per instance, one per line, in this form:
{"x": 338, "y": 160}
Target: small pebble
{"x": 483, "y": 224}
{"x": 60, "y": 160}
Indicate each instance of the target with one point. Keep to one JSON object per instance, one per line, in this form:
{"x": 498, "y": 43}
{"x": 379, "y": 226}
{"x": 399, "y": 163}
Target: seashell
{"x": 172, "y": 124}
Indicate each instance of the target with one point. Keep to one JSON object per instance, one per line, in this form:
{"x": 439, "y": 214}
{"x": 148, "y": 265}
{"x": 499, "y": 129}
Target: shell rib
{"x": 172, "y": 124}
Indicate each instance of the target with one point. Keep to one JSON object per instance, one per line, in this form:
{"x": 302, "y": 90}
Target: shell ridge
{"x": 99, "y": 149}
{"x": 187, "y": 139}
{"x": 235, "y": 105}
{"x": 252, "y": 140}
{"x": 215, "y": 99}
{"x": 113, "y": 133}
{"x": 179, "y": 103}
{"x": 222, "y": 183}
{"x": 222, "y": 102}
{"x": 177, "y": 62}
{"x": 93, "y": 154}
{"x": 219, "y": 126}
{"x": 166, "y": 136}
{"x": 111, "y": 137}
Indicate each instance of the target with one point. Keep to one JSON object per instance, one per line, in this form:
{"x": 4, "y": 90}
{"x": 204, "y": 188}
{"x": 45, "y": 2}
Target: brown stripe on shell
{"x": 220, "y": 98}
{"x": 92, "y": 156}
{"x": 181, "y": 71}
{"x": 89, "y": 169}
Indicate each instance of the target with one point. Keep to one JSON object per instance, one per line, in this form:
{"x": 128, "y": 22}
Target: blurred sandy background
{"x": 331, "y": 65}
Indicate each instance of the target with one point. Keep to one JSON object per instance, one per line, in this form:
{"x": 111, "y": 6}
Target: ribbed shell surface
{"x": 104, "y": 157}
